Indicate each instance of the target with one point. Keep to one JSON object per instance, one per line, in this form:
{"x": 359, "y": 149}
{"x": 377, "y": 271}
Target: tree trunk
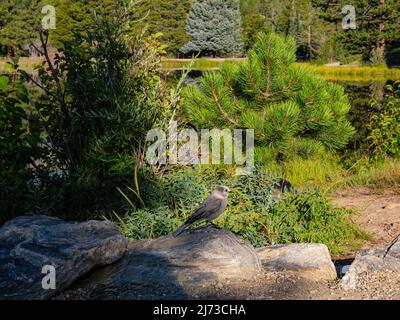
{"x": 379, "y": 52}
{"x": 309, "y": 37}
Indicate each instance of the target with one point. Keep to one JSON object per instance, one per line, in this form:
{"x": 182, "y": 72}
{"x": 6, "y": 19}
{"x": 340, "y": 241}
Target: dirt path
{"x": 378, "y": 212}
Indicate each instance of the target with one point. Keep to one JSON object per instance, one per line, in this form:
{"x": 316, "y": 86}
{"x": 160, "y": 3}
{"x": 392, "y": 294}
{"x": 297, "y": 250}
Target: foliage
{"x": 76, "y": 17}
{"x": 292, "y": 110}
{"x": 98, "y": 99}
{"x": 166, "y": 17}
{"x": 309, "y": 217}
{"x": 19, "y": 142}
{"x": 253, "y": 212}
{"x": 385, "y": 126}
{"x": 215, "y": 28}
{"x": 16, "y": 16}
{"x": 94, "y": 98}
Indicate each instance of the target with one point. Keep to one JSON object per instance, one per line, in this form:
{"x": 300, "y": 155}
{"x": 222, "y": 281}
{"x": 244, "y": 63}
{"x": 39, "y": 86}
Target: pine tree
{"x": 292, "y": 110}
{"x": 76, "y": 16}
{"x": 215, "y": 28}
{"x": 19, "y": 20}
{"x": 377, "y": 26}
{"x": 166, "y": 17}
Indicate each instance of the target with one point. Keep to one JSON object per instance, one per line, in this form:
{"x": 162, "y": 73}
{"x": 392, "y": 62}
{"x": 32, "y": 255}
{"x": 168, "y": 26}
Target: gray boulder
{"x": 29, "y": 243}
{"x": 370, "y": 261}
{"x": 309, "y": 260}
{"x": 173, "y": 267}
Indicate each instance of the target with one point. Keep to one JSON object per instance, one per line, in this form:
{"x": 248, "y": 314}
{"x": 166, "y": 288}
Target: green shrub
{"x": 19, "y": 143}
{"x": 385, "y": 126}
{"x": 310, "y": 217}
{"x": 99, "y": 97}
{"x": 253, "y": 211}
{"x": 147, "y": 223}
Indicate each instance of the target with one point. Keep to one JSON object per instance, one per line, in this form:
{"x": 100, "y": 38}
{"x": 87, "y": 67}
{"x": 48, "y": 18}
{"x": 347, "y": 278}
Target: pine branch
{"x": 221, "y": 109}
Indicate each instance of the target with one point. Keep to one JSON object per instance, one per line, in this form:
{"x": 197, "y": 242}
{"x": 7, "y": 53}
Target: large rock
{"x": 28, "y": 243}
{"x": 173, "y": 267}
{"x": 372, "y": 260}
{"x": 309, "y": 260}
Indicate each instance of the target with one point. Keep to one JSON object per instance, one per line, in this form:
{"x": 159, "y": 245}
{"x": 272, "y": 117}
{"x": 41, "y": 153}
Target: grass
{"x": 201, "y": 64}
{"x": 327, "y": 174}
{"x": 363, "y": 73}
{"x": 385, "y": 174}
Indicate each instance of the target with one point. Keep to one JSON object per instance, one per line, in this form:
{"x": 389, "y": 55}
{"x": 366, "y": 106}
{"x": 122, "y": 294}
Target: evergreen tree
{"x": 166, "y": 17}
{"x": 377, "y": 25}
{"x": 291, "y": 109}
{"x": 76, "y": 16}
{"x": 215, "y": 28}
{"x": 19, "y": 20}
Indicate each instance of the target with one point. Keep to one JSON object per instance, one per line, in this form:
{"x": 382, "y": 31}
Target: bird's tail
{"x": 180, "y": 230}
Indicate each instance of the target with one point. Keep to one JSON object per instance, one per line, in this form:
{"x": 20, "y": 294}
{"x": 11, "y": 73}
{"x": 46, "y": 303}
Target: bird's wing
{"x": 211, "y": 204}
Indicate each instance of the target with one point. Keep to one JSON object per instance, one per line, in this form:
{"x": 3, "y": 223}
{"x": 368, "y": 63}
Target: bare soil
{"x": 378, "y": 212}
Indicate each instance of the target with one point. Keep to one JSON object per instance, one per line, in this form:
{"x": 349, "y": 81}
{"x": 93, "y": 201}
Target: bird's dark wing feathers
{"x": 210, "y": 205}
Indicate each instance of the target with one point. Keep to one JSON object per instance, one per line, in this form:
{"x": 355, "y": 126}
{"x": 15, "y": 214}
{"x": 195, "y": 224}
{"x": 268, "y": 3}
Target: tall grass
{"x": 319, "y": 172}
{"x": 383, "y": 174}
{"x": 201, "y": 64}
{"x": 363, "y": 73}
{"x": 328, "y": 174}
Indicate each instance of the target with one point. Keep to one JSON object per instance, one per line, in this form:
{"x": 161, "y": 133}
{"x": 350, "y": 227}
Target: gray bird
{"x": 209, "y": 210}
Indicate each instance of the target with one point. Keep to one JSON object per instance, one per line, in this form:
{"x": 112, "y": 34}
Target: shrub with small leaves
{"x": 385, "y": 126}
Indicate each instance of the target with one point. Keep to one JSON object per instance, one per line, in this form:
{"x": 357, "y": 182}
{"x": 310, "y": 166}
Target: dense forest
{"x": 316, "y": 26}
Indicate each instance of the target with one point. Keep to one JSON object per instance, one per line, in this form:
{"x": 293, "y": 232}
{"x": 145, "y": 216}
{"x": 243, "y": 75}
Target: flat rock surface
{"x": 309, "y": 260}
{"x": 174, "y": 267}
{"x": 28, "y": 243}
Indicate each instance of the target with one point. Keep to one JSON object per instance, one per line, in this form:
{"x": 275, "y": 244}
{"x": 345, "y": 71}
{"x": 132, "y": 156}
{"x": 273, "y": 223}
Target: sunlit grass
{"x": 201, "y": 64}
{"x": 326, "y": 173}
{"x": 359, "y": 73}
{"x": 319, "y": 172}
{"x": 384, "y": 174}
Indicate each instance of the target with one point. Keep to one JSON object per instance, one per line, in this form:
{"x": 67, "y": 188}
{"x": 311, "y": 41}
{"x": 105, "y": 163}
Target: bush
{"x": 385, "y": 126}
{"x": 19, "y": 143}
{"x": 253, "y": 212}
{"x": 310, "y": 217}
{"x": 99, "y": 97}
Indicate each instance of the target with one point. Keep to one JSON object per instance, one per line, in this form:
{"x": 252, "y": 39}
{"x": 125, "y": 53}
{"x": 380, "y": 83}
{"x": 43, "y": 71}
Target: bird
{"x": 209, "y": 210}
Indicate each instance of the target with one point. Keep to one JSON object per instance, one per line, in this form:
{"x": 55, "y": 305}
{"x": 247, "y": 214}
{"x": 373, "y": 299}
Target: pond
{"x": 360, "y": 94}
